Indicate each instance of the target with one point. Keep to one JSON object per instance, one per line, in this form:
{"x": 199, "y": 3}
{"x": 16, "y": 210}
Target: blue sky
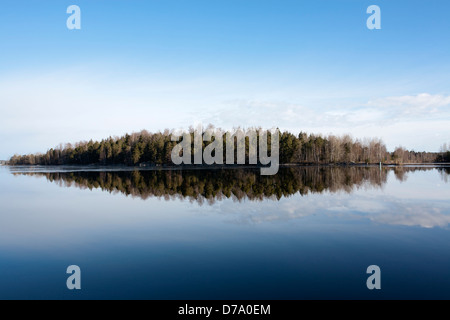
{"x": 297, "y": 65}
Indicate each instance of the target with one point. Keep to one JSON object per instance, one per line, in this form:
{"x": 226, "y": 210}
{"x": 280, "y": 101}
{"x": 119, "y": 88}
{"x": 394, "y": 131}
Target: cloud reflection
{"x": 295, "y": 193}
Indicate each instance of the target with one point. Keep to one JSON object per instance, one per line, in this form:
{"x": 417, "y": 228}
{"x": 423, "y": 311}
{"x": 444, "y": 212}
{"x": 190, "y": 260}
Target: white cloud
{"x": 425, "y": 217}
{"x": 421, "y": 105}
{"x": 418, "y": 122}
{"x": 372, "y": 205}
{"x": 41, "y": 111}
{"x": 423, "y": 101}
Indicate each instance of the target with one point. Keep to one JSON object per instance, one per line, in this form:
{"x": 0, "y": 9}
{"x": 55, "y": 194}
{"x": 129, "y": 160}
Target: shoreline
{"x": 210, "y": 167}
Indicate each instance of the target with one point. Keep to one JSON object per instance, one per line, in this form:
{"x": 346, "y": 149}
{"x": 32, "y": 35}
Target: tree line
{"x": 154, "y": 149}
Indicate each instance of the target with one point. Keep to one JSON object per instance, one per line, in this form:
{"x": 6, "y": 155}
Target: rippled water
{"x": 306, "y": 233}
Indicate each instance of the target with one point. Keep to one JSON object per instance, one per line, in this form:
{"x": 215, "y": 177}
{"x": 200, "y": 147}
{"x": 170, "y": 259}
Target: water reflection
{"x": 301, "y": 230}
{"x": 237, "y": 184}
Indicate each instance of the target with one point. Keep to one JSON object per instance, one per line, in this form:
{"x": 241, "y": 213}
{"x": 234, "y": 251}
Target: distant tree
{"x": 155, "y": 148}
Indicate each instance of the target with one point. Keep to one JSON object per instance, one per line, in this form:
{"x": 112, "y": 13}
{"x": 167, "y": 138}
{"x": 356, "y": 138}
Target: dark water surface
{"x": 306, "y": 233}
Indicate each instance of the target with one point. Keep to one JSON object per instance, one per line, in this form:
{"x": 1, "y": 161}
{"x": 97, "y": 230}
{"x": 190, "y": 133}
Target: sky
{"x": 309, "y": 66}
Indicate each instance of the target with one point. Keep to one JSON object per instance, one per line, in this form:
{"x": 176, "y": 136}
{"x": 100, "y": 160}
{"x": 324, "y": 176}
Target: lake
{"x": 305, "y": 233}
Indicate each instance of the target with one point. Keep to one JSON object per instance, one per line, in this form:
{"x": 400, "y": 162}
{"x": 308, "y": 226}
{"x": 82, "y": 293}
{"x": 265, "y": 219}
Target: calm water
{"x": 306, "y": 233}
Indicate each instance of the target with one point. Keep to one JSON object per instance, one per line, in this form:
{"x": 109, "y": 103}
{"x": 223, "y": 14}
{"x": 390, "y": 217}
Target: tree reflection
{"x": 238, "y": 184}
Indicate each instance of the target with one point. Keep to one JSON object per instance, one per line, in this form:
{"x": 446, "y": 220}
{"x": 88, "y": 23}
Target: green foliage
{"x": 444, "y": 157}
{"x": 155, "y": 149}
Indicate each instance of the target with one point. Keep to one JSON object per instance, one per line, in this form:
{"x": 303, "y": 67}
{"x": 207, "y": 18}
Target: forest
{"x": 154, "y": 149}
